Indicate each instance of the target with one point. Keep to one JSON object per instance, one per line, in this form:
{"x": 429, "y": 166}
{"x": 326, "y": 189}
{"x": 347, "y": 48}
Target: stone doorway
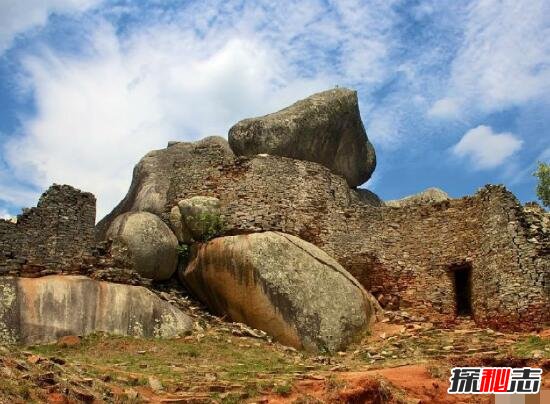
{"x": 463, "y": 289}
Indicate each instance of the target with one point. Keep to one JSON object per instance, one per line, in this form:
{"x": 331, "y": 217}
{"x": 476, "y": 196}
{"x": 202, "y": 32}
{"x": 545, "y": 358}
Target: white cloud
{"x": 180, "y": 76}
{"x": 193, "y": 70}
{"x": 444, "y": 108}
{"x": 4, "y": 214}
{"x": 504, "y": 59}
{"x": 485, "y": 149}
{"x": 98, "y": 116}
{"x": 18, "y": 16}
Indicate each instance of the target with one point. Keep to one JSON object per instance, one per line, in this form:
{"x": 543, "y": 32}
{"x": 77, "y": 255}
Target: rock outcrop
{"x": 325, "y": 128}
{"x": 403, "y": 254}
{"x": 153, "y": 176}
{"x": 406, "y": 256}
{"x": 283, "y": 285}
{"x": 43, "y": 309}
{"x": 176, "y": 224}
{"x": 143, "y": 239}
{"x": 430, "y": 195}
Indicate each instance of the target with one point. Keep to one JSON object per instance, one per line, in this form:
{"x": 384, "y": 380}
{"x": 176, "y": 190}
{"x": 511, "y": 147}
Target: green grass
{"x": 178, "y": 362}
{"x": 232, "y": 398}
{"x": 19, "y": 390}
{"x": 283, "y": 389}
{"x": 527, "y": 346}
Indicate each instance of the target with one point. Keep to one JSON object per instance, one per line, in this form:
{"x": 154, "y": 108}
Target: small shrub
{"x": 212, "y": 225}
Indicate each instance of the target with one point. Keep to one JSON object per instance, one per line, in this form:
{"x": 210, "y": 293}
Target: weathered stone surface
{"x": 283, "y": 285}
{"x": 176, "y": 224}
{"x": 325, "y": 128}
{"x": 143, "y": 239}
{"x": 44, "y": 309}
{"x": 404, "y": 254}
{"x": 200, "y": 216}
{"x": 153, "y": 176}
{"x": 362, "y": 195}
{"x": 430, "y": 195}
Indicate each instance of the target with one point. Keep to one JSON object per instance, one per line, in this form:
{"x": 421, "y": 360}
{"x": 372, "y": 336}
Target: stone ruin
{"x": 485, "y": 256}
{"x": 54, "y": 235}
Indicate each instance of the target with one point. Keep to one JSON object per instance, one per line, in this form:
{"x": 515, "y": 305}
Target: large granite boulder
{"x": 325, "y": 128}
{"x": 259, "y": 193}
{"x": 154, "y": 175}
{"x": 143, "y": 240}
{"x": 430, "y": 195}
{"x": 40, "y": 310}
{"x": 283, "y": 285}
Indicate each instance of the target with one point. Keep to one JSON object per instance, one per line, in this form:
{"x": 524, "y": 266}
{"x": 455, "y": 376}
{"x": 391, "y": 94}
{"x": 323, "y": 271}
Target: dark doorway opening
{"x": 463, "y": 290}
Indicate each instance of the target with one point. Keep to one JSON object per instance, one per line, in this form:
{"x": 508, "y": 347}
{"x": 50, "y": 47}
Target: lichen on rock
{"x": 284, "y": 286}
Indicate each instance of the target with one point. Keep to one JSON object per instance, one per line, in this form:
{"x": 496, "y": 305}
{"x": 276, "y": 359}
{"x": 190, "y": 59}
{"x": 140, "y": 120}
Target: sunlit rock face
{"x": 283, "y": 285}
{"x": 40, "y": 310}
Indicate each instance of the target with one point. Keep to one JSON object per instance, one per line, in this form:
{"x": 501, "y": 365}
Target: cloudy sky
{"x": 453, "y": 94}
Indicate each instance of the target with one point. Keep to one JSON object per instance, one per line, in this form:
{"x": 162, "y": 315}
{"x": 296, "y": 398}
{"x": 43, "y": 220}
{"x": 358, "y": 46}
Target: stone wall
{"x": 405, "y": 256}
{"x": 56, "y": 234}
{"x": 419, "y": 249}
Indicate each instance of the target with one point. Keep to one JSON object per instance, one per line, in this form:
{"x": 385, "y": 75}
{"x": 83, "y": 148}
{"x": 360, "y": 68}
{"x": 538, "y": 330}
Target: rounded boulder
{"x": 282, "y": 285}
{"x": 144, "y": 240}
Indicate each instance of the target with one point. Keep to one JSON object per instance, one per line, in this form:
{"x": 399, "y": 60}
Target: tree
{"x": 543, "y": 187}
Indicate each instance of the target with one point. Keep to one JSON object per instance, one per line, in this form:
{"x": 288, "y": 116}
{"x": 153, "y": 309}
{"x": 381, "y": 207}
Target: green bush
{"x": 212, "y": 225}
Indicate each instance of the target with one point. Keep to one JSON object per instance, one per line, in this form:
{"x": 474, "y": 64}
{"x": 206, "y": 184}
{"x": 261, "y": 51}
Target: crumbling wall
{"x": 405, "y": 256}
{"x": 419, "y": 249}
{"x": 55, "y": 234}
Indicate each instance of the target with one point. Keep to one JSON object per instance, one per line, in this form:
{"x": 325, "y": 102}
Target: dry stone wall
{"x": 420, "y": 249}
{"x": 58, "y": 237}
{"x": 50, "y": 235}
{"x": 408, "y": 256}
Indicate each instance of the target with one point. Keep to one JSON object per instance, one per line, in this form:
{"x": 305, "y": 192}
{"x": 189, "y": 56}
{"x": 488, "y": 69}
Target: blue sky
{"x": 453, "y": 94}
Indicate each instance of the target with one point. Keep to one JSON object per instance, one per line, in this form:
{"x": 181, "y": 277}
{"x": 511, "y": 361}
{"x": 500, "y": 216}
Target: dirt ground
{"x": 401, "y": 361}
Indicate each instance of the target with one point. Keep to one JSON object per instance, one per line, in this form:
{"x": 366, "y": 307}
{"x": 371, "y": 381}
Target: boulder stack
{"x": 430, "y": 195}
{"x": 154, "y": 174}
